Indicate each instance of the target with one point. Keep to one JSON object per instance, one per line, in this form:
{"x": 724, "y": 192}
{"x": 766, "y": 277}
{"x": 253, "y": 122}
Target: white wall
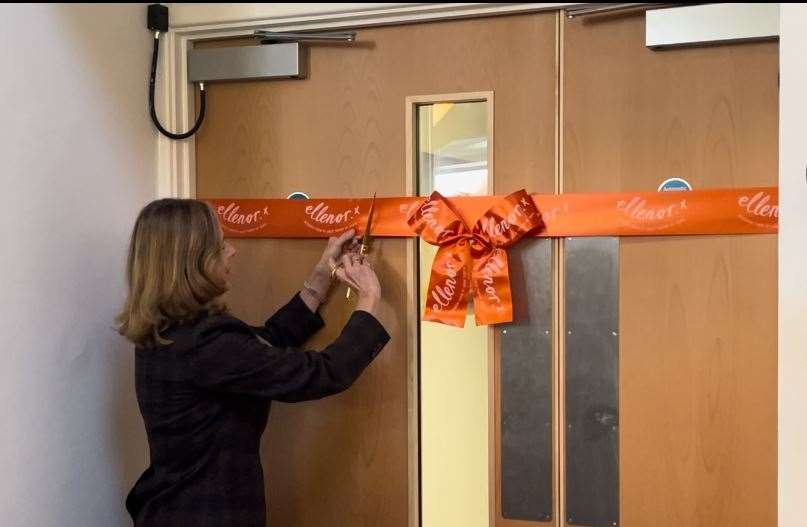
{"x": 793, "y": 266}
{"x": 78, "y": 160}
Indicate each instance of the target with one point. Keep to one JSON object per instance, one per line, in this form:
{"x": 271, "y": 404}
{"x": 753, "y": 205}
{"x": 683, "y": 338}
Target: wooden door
{"x": 350, "y": 460}
{"x": 698, "y": 315}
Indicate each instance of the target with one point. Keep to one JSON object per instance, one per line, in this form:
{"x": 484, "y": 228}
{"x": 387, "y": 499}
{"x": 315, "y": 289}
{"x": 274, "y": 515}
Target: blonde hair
{"x": 174, "y": 247}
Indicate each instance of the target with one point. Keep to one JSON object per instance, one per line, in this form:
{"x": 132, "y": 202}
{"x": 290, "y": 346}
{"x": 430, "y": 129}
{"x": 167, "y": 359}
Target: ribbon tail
{"x": 493, "y": 302}
{"x": 449, "y": 286}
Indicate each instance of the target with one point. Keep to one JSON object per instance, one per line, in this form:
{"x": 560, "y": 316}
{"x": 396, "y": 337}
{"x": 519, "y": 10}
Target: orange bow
{"x": 472, "y": 260}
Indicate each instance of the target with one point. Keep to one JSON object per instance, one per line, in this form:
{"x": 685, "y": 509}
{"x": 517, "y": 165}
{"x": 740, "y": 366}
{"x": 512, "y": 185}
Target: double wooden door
{"x": 579, "y": 106}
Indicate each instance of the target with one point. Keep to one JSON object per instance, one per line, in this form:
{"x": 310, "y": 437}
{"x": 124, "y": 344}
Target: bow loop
{"x": 437, "y": 223}
{"x": 472, "y": 260}
{"x": 509, "y": 220}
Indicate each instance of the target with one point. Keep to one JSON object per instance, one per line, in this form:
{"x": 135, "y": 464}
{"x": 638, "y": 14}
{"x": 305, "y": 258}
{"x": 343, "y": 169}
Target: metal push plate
{"x": 526, "y": 386}
{"x": 592, "y": 381}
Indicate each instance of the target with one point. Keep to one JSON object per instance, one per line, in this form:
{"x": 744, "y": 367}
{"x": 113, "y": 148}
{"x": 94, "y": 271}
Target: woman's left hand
{"x": 337, "y": 246}
{"x": 321, "y": 276}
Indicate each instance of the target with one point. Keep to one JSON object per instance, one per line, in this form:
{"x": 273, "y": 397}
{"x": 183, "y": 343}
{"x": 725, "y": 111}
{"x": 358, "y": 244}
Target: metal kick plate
{"x": 526, "y": 386}
{"x": 592, "y": 381}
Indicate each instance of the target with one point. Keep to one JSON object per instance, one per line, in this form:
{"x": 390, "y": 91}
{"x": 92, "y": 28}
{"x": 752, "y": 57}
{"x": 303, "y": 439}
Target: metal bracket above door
{"x": 711, "y": 24}
{"x": 281, "y": 56}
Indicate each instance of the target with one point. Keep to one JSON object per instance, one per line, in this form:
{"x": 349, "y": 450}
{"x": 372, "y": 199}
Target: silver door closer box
{"x": 270, "y": 61}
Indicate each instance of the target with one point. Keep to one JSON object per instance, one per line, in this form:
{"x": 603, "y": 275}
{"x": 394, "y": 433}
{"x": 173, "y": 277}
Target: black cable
{"x": 153, "y": 111}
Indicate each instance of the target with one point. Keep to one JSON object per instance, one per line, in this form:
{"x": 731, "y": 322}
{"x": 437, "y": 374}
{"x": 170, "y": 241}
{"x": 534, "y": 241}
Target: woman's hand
{"x": 320, "y": 278}
{"x": 337, "y": 246}
{"x": 319, "y": 281}
{"x": 355, "y": 271}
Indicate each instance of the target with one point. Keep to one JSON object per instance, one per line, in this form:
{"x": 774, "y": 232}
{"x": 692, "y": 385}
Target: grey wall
{"x": 78, "y": 162}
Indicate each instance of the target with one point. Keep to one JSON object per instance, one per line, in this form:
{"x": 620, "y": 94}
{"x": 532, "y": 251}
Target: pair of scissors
{"x": 366, "y": 239}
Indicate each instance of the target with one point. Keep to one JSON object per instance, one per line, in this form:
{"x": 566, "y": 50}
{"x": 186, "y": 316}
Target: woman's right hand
{"x": 355, "y": 271}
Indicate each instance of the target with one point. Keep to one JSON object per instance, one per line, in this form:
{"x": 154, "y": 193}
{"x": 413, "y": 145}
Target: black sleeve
{"x": 292, "y": 325}
{"x": 229, "y": 357}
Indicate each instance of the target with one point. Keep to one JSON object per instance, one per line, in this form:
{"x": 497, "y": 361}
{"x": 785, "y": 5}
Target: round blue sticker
{"x": 674, "y": 184}
{"x": 298, "y": 195}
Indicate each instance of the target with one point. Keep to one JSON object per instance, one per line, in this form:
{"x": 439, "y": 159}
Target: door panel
{"x": 698, "y": 366}
{"x": 345, "y": 460}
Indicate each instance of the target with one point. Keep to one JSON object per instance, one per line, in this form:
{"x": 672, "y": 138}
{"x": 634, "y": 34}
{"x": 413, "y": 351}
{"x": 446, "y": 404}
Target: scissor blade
{"x": 367, "y": 238}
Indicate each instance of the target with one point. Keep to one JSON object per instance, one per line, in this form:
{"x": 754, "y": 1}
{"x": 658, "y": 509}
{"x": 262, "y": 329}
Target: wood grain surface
{"x": 698, "y": 315}
{"x": 344, "y": 461}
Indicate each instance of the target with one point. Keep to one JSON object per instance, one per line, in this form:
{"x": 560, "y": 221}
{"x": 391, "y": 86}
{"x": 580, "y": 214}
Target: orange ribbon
{"x": 472, "y": 260}
{"x": 697, "y": 212}
{"x": 475, "y": 260}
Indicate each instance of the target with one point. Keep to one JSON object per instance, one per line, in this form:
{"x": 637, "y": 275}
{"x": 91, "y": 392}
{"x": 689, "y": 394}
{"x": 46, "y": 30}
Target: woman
{"x": 205, "y": 379}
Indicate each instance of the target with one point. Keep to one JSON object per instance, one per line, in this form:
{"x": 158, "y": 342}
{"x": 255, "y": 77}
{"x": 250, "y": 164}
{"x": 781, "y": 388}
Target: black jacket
{"x": 205, "y": 402}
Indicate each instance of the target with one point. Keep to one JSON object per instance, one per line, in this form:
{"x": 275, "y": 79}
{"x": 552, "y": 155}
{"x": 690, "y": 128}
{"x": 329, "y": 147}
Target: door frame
{"x": 176, "y": 164}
